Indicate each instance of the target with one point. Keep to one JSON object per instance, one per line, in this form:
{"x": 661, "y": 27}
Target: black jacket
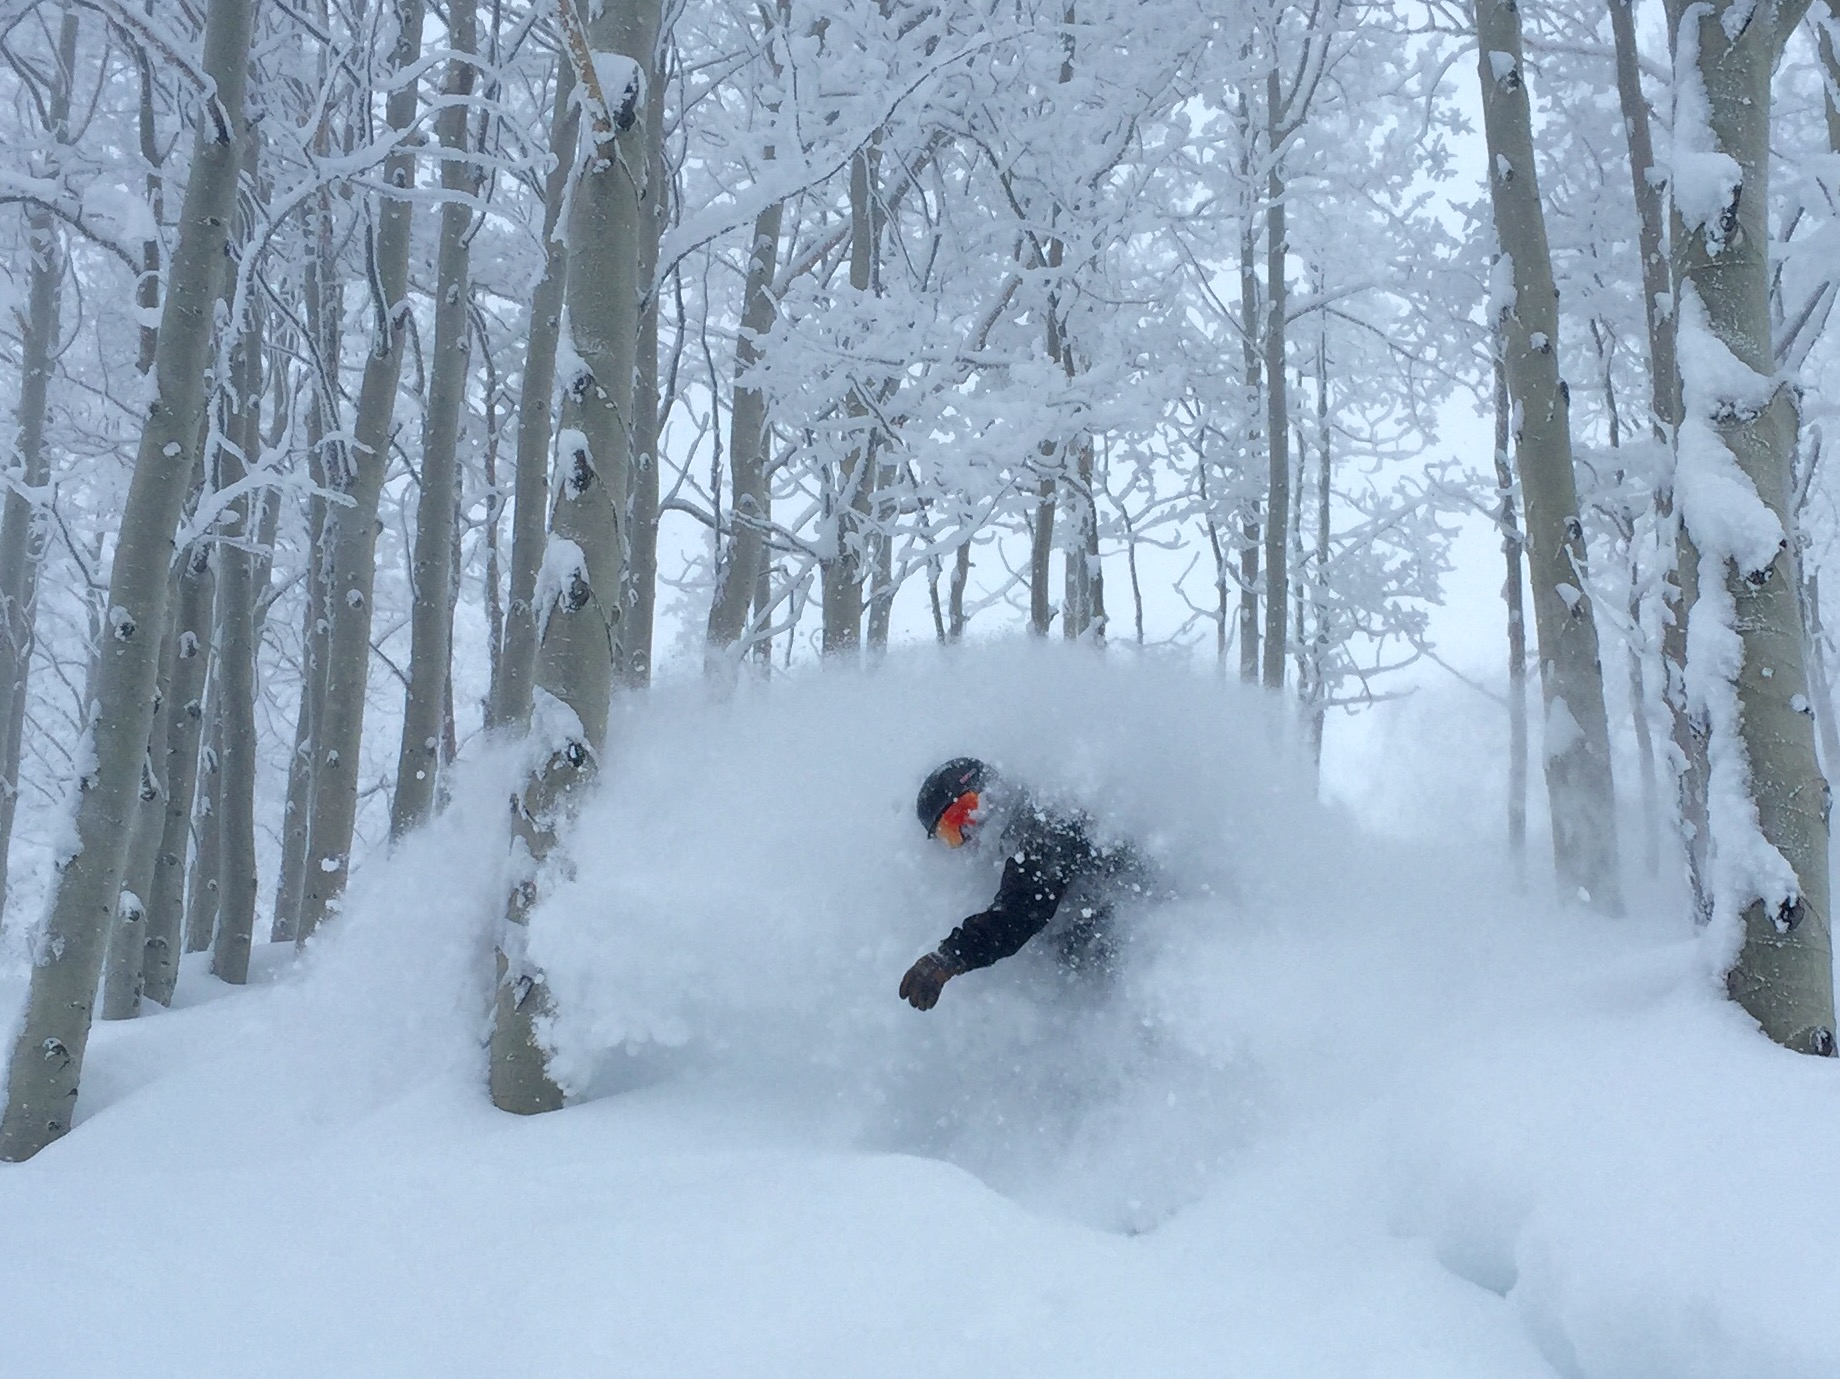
{"x": 1050, "y": 856}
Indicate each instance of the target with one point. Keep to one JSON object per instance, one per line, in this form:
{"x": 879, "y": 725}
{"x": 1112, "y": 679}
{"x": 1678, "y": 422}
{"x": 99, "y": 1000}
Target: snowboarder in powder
{"x": 1053, "y": 870}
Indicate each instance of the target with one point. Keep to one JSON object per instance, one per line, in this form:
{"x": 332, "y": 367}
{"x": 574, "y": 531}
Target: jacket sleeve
{"x": 1027, "y": 898}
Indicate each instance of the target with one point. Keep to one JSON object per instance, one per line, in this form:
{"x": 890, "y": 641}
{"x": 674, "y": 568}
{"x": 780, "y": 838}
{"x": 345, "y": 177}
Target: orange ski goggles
{"x": 957, "y": 818}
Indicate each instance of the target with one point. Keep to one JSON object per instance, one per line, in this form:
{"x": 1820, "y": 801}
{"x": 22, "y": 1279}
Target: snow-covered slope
{"x": 1354, "y": 1109}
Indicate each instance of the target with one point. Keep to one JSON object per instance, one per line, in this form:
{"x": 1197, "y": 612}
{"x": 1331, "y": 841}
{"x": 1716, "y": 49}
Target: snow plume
{"x": 751, "y": 884}
{"x": 1730, "y": 525}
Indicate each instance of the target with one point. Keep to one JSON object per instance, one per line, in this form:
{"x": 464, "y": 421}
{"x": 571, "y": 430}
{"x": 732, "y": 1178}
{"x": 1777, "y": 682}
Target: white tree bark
{"x": 47, "y": 1062}
{"x": 22, "y": 528}
{"x": 1252, "y": 370}
{"x": 843, "y": 564}
{"x": 236, "y": 656}
{"x": 184, "y": 731}
{"x": 536, "y": 412}
{"x": 1766, "y": 779}
{"x": 1512, "y": 547}
{"x": 1577, "y": 738}
{"x": 1664, "y": 401}
{"x": 1083, "y": 604}
{"x": 640, "y": 578}
{"x": 418, "y": 759}
{"x": 203, "y": 891}
{"x": 747, "y": 452}
{"x": 351, "y": 539}
{"x": 1277, "y": 400}
{"x": 578, "y": 605}
{"x": 122, "y": 977}
{"x": 325, "y": 320}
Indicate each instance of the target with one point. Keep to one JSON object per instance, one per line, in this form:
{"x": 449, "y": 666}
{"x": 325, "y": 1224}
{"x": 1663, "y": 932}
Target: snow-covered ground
{"x": 1354, "y": 1109}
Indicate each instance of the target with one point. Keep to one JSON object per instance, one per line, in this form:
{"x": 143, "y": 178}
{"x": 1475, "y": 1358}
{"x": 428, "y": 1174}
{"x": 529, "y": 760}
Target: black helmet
{"x": 946, "y": 784}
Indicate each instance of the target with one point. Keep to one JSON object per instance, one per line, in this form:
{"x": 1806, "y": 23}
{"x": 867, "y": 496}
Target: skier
{"x": 1051, "y": 861}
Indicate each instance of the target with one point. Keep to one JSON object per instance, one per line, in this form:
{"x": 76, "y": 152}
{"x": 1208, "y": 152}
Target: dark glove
{"x": 921, "y": 986}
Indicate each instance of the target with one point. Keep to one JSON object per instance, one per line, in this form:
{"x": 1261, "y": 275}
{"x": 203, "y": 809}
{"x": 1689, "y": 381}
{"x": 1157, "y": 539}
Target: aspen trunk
{"x": 122, "y": 980}
{"x": 955, "y": 597}
{"x": 127, "y": 939}
{"x": 236, "y": 700}
{"x": 579, "y": 616}
{"x": 22, "y": 526}
{"x": 641, "y": 574}
{"x": 640, "y": 581}
{"x": 351, "y": 537}
{"x": 747, "y": 450}
{"x": 45, "y": 1070}
{"x": 431, "y": 620}
{"x": 1819, "y": 682}
{"x": 1511, "y": 550}
{"x": 147, "y": 290}
{"x": 203, "y": 894}
{"x": 530, "y": 511}
{"x": 1689, "y": 765}
{"x": 1252, "y": 370}
{"x": 184, "y": 732}
{"x": 1762, "y": 743}
{"x": 1084, "y": 600}
{"x": 1041, "y": 551}
{"x": 842, "y": 568}
{"x": 297, "y": 808}
{"x": 1325, "y": 496}
{"x": 1830, "y": 65}
{"x": 326, "y": 325}
{"x": 1277, "y": 403}
{"x": 1577, "y": 737}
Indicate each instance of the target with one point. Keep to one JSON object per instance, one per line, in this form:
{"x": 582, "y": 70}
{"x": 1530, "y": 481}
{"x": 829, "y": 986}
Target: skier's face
{"x": 956, "y": 824}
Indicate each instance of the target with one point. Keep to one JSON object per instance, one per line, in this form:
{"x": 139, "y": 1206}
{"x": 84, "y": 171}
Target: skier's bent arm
{"x": 1026, "y": 900}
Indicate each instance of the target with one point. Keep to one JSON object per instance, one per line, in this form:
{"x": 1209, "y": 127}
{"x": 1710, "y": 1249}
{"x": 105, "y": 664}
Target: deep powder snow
{"x": 1353, "y": 1108}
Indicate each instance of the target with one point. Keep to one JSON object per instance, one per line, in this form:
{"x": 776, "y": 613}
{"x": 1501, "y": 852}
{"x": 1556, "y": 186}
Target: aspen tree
{"x": 147, "y": 290}
{"x": 1507, "y": 519}
{"x": 184, "y": 738}
{"x": 1746, "y": 666}
{"x": 236, "y": 639}
{"x": 203, "y": 893}
{"x": 1278, "y": 128}
{"x": 1252, "y": 374}
{"x": 511, "y": 696}
{"x": 639, "y": 578}
{"x": 323, "y": 341}
{"x": 22, "y": 527}
{"x": 1577, "y": 735}
{"x": 122, "y": 979}
{"x": 743, "y": 553}
{"x": 432, "y": 574}
{"x": 1664, "y": 411}
{"x": 578, "y": 597}
{"x": 351, "y": 527}
{"x": 841, "y": 564}
{"x": 45, "y": 1070}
